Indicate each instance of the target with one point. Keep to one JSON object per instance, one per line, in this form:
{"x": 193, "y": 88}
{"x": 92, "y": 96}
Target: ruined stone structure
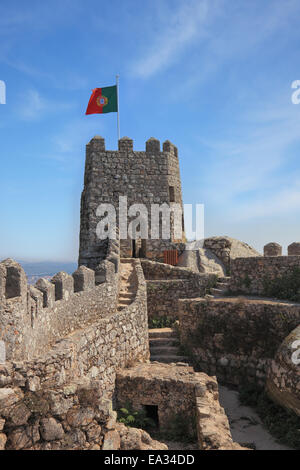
{"x": 150, "y": 177}
{"x": 75, "y": 348}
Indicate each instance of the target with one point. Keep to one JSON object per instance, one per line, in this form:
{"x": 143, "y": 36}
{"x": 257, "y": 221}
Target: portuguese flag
{"x": 103, "y": 100}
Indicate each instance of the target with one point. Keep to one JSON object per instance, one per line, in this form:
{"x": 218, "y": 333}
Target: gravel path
{"x": 245, "y": 424}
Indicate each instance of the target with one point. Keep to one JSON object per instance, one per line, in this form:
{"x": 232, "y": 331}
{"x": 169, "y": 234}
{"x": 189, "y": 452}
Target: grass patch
{"x": 161, "y": 322}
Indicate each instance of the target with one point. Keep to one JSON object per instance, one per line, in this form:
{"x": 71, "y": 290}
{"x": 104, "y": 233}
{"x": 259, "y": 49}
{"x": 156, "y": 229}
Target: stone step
{"x": 162, "y": 333}
{"x": 224, "y": 279}
{"x": 124, "y": 301}
{"x": 163, "y": 342}
{"x": 208, "y": 296}
{"x": 169, "y": 359}
{"x": 221, "y": 285}
{"x": 127, "y": 295}
{"x": 164, "y": 350}
{"x": 215, "y": 291}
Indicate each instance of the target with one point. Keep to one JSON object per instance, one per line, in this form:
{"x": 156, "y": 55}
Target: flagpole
{"x": 118, "y": 117}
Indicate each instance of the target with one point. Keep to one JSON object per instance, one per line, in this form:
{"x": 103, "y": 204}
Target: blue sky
{"x": 212, "y": 76}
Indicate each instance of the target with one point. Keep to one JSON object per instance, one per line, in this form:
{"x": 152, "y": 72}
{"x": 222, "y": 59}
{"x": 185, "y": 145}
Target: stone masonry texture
{"x": 144, "y": 177}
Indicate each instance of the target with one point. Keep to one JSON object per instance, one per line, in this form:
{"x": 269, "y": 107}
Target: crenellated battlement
{"x": 125, "y": 146}
{"x": 33, "y": 317}
{"x": 275, "y": 249}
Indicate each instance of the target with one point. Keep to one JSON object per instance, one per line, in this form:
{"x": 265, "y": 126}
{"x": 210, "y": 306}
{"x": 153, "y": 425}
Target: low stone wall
{"x": 251, "y": 275}
{"x": 166, "y": 284}
{"x": 182, "y": 398}
{"x": 163, "y": 295}
{"x": 236, "y": 339}
{"x": 157, "y": 271}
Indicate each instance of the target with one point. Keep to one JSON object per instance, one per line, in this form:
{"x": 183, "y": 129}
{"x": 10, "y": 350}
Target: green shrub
{"x": 135, "y": 418}
{"x": 161, "y": 322}
{"x": 284, "y": 287}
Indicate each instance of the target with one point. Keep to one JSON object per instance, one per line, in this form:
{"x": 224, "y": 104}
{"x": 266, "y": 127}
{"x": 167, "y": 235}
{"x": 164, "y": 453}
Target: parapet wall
{"x": 32, "y": 318}
{"x": 252, "y": 275}
{"x": 38, "y": 395}
{"x": 166, "y": 284}
{"x": 97, "y": 350}
{"x": 235, "y": 339}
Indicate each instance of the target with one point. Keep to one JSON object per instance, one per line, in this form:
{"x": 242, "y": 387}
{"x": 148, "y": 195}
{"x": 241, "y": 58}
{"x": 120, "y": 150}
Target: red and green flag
{"x": 103, "y": 100}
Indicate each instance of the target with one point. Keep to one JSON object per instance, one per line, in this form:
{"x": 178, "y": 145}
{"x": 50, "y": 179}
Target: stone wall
{"x": 183, "y": 399}
{"x": 144, "y": 177}
{"x": 73, "y": 417}
{"x": 236, "y": 339}
{"x": 89, "y": 355}
{"x": 158, "y": 271}
{"x": 32, "y": 318}
{"x": 96, "y": 350}
{"x": 166, "y": 284}
{"x": 250, "y": 275}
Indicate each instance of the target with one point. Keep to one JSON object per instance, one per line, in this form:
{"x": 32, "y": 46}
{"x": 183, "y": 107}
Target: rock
{"x": 77, "y": 417}
{"x": 20, "y": 414}
{"x": 93, "y": 432}
{"x": 8, "y": 397}
{"x": 59, "y": 404}
{"x": 51, "y": 430}
{"x": 33, "y": 384}
{"x": 3, "y": 440}
{"x": 137, "y": 439}
{"x": 4, "y": 380}
{"x": 19, "y": 439}
{"x": 111, "y": 441}
{"x": 75, "y": 440}
{"x": 94, "y": 447}
{"x": 111, "y": 423}
{"x": 213, "y": 255}
{"x": 201, "y": 260}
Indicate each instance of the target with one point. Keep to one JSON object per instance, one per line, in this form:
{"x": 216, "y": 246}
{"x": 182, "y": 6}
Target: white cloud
{"x": 32, "y": 106}
{"x": 284, "y": 202}
{"x": 180, "y": 29}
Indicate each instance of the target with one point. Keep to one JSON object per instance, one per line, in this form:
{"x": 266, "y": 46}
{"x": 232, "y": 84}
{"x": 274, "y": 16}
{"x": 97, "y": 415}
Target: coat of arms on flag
{"x": 103, "y": 100}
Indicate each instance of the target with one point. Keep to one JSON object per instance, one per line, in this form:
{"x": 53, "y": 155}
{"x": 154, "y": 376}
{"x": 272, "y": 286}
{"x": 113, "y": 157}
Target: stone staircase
{"x": 164, "y": 346}
{"x": 127, "y": 283}
{"x": 220, "y": 289}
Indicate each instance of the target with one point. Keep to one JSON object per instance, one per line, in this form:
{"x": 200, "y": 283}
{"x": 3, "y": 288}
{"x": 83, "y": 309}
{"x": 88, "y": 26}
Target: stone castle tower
{"x": 147, "y": 177}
